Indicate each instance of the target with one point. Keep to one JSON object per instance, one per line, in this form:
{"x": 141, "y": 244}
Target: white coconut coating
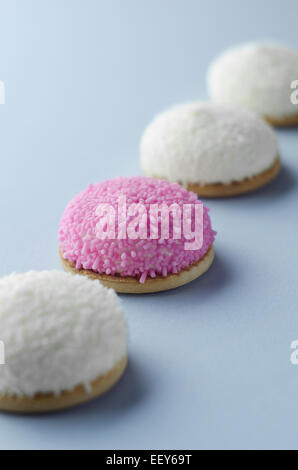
{"x": 256, "y": 76}
{"x": 207, "y": 143}
{"x": 59, "y": 331}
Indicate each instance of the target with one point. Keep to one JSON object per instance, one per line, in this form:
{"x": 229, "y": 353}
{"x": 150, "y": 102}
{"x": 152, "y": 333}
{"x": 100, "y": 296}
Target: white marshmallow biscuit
{"x": 207, "y": 143}
{"x": 258, "y": 77}
{"x": 60, "y": 331}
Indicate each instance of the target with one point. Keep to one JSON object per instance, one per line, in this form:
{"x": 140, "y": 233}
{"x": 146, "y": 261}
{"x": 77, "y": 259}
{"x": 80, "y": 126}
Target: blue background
{"x": 209, "y": 363}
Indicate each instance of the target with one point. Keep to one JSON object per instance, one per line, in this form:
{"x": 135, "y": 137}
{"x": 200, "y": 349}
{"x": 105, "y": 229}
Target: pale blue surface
{"x": 209, "y": 363}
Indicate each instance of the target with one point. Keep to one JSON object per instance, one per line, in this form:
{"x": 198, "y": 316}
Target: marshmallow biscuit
{"x": 65, "y": 340}
{"x": 211, "y": 149}
{"x": 136, "y": 263}
{"x": 259, "y": 77}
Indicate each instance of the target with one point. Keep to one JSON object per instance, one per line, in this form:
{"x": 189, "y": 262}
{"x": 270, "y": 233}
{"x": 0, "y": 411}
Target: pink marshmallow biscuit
{"x": 139, "y": 258}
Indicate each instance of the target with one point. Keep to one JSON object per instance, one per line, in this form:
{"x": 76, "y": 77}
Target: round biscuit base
{"x": 46, "y": 402}
{"x": 236, "y": 188}
{"x": 131, "y": 285}
{"x": 283, "y": 121}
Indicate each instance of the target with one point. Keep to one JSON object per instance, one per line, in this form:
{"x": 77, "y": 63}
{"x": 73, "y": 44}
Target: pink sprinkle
{"x": 96, "y": 264}
{"x": 78, "y": 264}
{"x": 143, "y": 277}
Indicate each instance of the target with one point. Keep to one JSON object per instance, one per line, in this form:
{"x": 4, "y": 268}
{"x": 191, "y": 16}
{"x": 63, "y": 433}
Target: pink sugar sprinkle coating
{"x": 126, "y": 257}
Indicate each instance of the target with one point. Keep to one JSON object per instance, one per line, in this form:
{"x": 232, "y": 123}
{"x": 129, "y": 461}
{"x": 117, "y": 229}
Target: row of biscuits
{"x": 65, "y": 335}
